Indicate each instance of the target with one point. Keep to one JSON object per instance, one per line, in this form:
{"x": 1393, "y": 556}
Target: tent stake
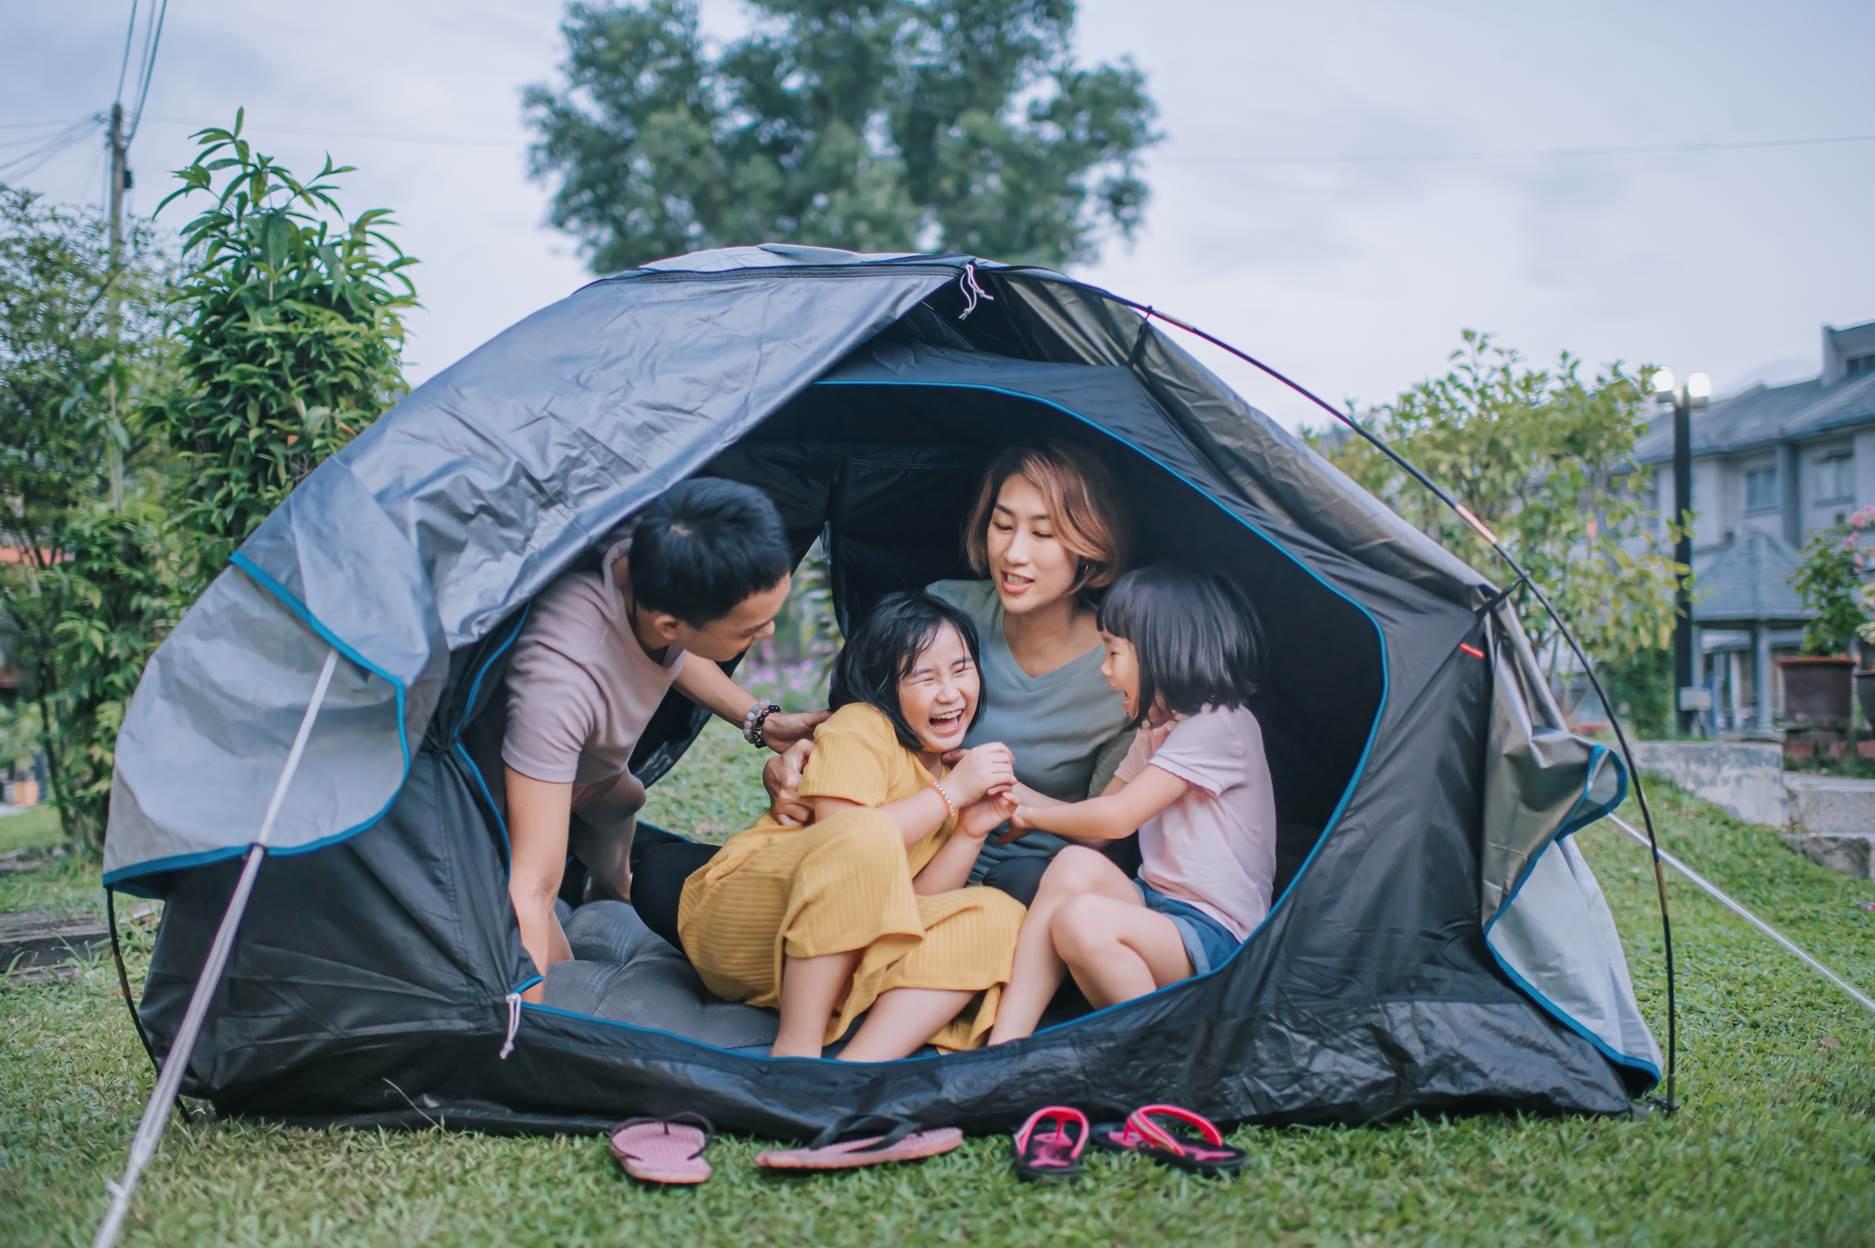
{"x": 1860, "y": 998}
{"x": 169, "y": 1078}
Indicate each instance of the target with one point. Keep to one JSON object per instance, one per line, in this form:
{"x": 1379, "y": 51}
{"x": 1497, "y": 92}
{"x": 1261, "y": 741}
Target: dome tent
{"x": 1437, "y": 939}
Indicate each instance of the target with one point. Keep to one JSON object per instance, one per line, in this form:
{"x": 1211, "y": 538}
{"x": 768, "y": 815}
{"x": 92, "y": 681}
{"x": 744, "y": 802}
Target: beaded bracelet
{"x": 754, "y": 721}
{"x": 950, "y": 803}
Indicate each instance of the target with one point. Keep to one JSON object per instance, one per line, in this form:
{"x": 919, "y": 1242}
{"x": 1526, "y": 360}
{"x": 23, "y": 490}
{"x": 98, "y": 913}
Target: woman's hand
{"x": 983, "y": 770}
{"x": 979, "y": 819}
{"x": 783, "y": 731}
{"x": 781, "y": 776}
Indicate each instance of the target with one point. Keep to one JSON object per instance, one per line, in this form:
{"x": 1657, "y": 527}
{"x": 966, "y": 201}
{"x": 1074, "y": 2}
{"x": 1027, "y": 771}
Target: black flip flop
{"x": 864, "y": 1140}
{"x": 1052, "y": 1155}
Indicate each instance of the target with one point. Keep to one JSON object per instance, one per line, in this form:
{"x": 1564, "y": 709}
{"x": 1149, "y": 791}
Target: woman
{"x": 1045, "y": 535}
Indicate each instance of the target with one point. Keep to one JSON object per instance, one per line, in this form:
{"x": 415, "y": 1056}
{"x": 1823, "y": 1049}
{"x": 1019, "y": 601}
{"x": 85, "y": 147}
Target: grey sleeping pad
{"x": 623, "y": 971}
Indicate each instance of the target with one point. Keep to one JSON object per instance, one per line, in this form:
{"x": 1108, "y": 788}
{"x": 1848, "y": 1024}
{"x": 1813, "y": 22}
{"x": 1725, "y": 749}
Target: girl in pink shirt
{"x": 1183, "y": 650}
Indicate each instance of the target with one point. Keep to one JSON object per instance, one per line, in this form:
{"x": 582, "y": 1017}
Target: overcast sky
{"x": 1341, "y": 189}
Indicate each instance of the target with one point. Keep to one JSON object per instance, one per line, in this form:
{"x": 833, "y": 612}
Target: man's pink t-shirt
{"x": 1215, "y": 847}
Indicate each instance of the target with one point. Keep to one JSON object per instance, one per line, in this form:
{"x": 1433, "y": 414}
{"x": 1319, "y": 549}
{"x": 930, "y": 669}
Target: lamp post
{"x": 1696, "y": 392}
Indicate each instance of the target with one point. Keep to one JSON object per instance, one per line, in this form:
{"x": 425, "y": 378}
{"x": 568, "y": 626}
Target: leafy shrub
{"x": 292, "y": 334}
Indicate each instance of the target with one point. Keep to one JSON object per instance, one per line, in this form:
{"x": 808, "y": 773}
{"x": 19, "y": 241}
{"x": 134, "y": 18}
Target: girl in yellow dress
{"x": 865, "y": 910}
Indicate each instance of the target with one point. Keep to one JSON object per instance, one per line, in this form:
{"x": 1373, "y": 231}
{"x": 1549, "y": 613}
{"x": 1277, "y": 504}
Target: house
{"x": 1771, "y": 466}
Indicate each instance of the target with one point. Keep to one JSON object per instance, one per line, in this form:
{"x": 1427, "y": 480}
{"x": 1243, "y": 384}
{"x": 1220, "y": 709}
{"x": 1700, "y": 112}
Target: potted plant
{"x": 1829, "y": 581}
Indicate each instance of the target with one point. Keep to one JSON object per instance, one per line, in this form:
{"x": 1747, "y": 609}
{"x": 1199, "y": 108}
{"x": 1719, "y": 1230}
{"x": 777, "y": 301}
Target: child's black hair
{"x": 703, "y": 546}
{"x": 1196, "y": 637}
{"x": 882, "y": 649}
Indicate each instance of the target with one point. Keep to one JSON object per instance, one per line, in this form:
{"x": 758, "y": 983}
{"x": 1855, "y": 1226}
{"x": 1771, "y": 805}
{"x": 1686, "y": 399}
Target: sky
{"x": 1341, "y": 188}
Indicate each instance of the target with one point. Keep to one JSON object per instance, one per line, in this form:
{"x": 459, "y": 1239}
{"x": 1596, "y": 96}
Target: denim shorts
{"x": 1207, "y": 942}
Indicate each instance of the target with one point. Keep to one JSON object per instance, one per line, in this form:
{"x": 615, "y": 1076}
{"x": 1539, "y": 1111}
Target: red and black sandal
{"x": 1045, "y": 1150}
{"x": 1142, "y": 1133}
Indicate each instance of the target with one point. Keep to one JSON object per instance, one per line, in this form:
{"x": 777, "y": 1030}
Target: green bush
{"x": 291, "y": 333}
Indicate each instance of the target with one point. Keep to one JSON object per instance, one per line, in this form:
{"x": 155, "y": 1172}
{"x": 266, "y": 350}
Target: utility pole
{"x": 1688, "y": 700}
{"x": 120, "y": 181}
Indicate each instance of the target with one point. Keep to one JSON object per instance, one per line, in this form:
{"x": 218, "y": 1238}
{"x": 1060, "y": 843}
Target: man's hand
{"x": 979, "y": 819}
{"x": 784, "y": 730}
{"x": 781, "y": 776}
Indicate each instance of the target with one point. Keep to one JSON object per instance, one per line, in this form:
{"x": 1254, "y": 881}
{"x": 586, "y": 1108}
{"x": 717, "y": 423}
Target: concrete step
{"x": 1852, "y": 853}
{"x": 1830, "y": 805}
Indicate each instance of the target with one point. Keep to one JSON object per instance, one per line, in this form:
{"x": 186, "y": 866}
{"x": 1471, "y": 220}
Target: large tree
{"x": 871, "y": 124}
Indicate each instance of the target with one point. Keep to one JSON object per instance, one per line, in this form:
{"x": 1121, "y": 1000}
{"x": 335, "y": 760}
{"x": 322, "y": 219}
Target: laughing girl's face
{"x": 1028, "y": 564}
{"x": 938, "y": 696}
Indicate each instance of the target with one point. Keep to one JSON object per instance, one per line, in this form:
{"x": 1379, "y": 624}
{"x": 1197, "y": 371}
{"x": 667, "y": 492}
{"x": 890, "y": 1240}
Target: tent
{"x": 1437, "y": 940}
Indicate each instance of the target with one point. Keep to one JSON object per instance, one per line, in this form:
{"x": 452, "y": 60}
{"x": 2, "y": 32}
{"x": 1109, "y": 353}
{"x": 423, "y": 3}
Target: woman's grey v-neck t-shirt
{"x": 1056, "y": 724}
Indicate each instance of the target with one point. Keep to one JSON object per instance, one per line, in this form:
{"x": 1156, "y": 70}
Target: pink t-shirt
{"x": 1215, "y": 847}
{"x": 580, "y": 691}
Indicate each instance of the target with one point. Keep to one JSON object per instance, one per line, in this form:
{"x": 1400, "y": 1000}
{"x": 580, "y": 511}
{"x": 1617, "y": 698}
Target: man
{"x": 703, "y": 573}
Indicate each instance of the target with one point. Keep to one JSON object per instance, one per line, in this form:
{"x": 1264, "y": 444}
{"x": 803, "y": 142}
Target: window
{"x": 1835, "y": 477}
{"x": 1761, "y": 489}
{"x": 1858, "y": 365}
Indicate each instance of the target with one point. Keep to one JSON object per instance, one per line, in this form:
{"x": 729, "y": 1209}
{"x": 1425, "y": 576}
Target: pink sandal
{"x": 1054, "y": 1155}
{"x": 1141, "y": 1133}
{"x": 864, "y": 1140}
{"x": 664, "y": 1150}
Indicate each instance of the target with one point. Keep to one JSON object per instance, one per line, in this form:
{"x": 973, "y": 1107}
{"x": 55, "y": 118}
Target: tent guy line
{"x": 176, "y": 1062}
{"x": 1718, "y": 894}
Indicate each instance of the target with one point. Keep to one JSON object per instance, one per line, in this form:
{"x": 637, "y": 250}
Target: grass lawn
{"x": 1775, "y": 1143}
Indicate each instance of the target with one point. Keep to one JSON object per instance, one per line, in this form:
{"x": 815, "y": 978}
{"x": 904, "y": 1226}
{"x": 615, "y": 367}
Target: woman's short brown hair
{"x": 1078, "y": 492}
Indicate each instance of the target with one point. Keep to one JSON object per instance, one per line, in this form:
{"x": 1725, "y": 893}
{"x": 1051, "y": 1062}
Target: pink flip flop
{"x": 864, "y": 1140}
{"x": 664, "y": 1150}
{"x": 1142, "y": 1132}
{"x": 1052, "y": 1155}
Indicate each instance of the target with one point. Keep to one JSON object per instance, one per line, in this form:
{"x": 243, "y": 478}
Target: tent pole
{"x": 169, "y": 1078}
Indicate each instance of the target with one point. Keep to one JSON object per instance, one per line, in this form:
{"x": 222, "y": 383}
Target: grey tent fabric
{"x": 1436, "y": 942}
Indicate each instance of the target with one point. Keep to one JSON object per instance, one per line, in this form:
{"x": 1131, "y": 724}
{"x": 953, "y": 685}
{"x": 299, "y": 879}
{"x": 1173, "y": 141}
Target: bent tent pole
{"x": 169, "y": 1078}
{"x": 1523, "y": 578}
{"x": 1701, "y": 882}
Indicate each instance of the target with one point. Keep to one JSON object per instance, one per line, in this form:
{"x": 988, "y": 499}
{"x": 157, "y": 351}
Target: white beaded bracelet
{"x": 950, "y": 803}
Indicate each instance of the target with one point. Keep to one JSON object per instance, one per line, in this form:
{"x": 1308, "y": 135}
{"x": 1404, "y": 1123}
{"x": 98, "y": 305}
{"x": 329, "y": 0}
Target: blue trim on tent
{"x": 292, "y": 603}
{"x": 1373, "y": 732}
{"x": 1580, "y": 815}
{"x": 455, "y": 736}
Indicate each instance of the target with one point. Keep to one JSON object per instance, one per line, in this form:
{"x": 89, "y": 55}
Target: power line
{"x": 1535, "y": 153}
{"x": 155, "y": 42}
{"x": 31, "y": 162}
{"x": 129, "y": 31}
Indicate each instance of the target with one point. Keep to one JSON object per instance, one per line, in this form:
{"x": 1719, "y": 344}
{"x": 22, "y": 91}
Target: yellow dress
{"x": 845, "y": 883}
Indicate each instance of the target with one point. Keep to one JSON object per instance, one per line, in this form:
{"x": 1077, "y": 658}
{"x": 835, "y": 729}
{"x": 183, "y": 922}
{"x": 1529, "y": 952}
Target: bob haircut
{"x": 1081, "y": 500}
{"x": 882, "y": 649}
{"x": 1196, "y": 637}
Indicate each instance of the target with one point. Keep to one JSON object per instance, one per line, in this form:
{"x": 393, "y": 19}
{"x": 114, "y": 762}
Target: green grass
{"x": 36, "y": 828}
{"x": 1775, "y": 1143}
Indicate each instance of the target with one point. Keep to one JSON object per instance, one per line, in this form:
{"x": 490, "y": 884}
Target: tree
{"x": 874, "y": 125}
{"x": 63, "y": 355}
{"x": 1545, "y": 459}
{"x": 291, "y": 336}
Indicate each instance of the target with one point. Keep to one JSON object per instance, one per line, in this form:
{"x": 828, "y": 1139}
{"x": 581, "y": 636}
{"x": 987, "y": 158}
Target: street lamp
{"x": 1683, "y": 399}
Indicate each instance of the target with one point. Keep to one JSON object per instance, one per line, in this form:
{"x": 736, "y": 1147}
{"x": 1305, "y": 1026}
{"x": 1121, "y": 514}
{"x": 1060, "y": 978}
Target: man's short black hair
{"x": 883, "y": 648}
{"x": 703, "y": 546}
{"x": 1196, "y": 638}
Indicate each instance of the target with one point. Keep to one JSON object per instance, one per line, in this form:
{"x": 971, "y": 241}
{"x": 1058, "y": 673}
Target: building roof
{"x": 1747, "y": 580}
{"x": 1765, "y": 416}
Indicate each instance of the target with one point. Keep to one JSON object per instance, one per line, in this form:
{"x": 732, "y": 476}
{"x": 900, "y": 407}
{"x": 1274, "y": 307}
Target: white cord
{"x": 1861, "y": 998}
{"x": 169, "y": 1078}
